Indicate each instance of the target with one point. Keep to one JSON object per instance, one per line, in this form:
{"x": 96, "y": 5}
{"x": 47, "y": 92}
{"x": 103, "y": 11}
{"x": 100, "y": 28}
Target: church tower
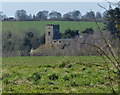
{"x": 52, "y": 33}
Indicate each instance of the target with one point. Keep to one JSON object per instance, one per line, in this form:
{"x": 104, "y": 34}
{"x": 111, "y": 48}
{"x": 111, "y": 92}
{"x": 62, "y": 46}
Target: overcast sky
{"x": 9, "y": 8}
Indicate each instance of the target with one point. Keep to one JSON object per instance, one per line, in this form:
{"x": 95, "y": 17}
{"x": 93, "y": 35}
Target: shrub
{"x": 70, "y": 33}
{"x": 89, "y": 31}
{"x": 53, "y": 76}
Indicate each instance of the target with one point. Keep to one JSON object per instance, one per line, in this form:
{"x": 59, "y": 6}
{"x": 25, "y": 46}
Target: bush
{"x": 53, "y": 76}
{"x": 31, "y": 39}
{"x": 89, "y": 31}
{"x": 70, "y": 33}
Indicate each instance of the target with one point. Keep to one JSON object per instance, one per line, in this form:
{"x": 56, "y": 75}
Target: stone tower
{"x": 52, "y": 33}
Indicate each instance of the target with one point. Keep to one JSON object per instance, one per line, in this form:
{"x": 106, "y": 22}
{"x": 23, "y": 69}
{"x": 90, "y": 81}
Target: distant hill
{"x": 23, "y": 26}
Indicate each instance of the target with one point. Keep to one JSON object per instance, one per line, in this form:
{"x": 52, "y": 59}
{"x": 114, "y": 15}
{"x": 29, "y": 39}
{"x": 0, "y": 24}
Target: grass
{"x": 22, "y": 26}
{"x": 0, "y": 80}
{"x": 68, "y": 74}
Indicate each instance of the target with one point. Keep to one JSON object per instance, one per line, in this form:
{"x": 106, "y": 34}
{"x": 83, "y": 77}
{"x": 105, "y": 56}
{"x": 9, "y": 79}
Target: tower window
{"x": 48, "y": 33}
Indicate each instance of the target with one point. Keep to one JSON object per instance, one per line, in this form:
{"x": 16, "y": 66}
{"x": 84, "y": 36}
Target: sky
{"x": 9, "y": 8}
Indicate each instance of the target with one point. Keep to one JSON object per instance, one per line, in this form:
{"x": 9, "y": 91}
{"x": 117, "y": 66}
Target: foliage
{"x": 6, "y": 81}
{"x": 64, "y": 63}
{"x": 21, "y": 15}
{"x": 112, "y": 18}
{"x": 15, "y": 45}
{"x": 76, "y": 46}
{"x": 70, "y": 33}
{"x": 92, "y": 80}
{"x": 42, "y": 39}
{"x": 8, "y": 41}
{"x": 31, "y": 40}
{"x": 89, "y": 15}
{"x": 98, "y": 15}
{"x": 73, "y": 83}
{"x": 66, "y": 78}
{"x": 41, "y": 15}
{"x": 45, "y": 15}
{"x": 115, "y": 61}
{"x": 88, "y": 31}
{"x": 34, "y": 77}
{"x": 72, "y": 15}
{"x": 53, "y": 76}
{"x": 55, "y": 14}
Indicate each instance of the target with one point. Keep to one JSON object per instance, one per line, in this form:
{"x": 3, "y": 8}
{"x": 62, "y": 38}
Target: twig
{"x": 108, "y": 72}
{"x": 101, "y": 6}
{"x": 109, "y": 46}
{"x": 102, "y": 52}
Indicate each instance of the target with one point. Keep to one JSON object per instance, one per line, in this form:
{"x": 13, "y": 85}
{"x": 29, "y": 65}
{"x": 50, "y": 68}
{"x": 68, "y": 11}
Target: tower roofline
{"x": 52, "y": 25}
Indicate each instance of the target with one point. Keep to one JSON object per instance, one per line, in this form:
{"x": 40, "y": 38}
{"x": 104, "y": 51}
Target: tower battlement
{"x": 52, "y": 33}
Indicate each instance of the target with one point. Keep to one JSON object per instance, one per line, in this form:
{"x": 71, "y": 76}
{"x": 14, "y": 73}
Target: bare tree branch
{"x": 107, "y": 43}
{"x": 103, "y": 53}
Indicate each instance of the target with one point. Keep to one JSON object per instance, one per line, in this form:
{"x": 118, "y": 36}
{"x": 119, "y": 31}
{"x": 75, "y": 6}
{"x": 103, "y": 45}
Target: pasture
{"x": 23, "y": 26}
{"x": 53, "y": 74}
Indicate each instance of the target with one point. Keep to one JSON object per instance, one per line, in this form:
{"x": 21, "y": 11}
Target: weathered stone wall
{"x": 49, "y": 34}
{"x": 52, "y": 32}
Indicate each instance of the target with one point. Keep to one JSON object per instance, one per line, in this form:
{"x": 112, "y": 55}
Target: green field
{"x": 22, "y": 26}
{"x": 84, "y": 74}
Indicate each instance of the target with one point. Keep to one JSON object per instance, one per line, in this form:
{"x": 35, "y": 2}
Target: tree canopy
{"x": 113, "y": 21}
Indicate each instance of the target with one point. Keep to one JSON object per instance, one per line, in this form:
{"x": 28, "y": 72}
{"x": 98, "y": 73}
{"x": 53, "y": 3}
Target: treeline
{"x": 20, "y": 45}
{"x": 16, "y": 45}
{"x": 21, "y": 15}
{"x": 80, "y": 45}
